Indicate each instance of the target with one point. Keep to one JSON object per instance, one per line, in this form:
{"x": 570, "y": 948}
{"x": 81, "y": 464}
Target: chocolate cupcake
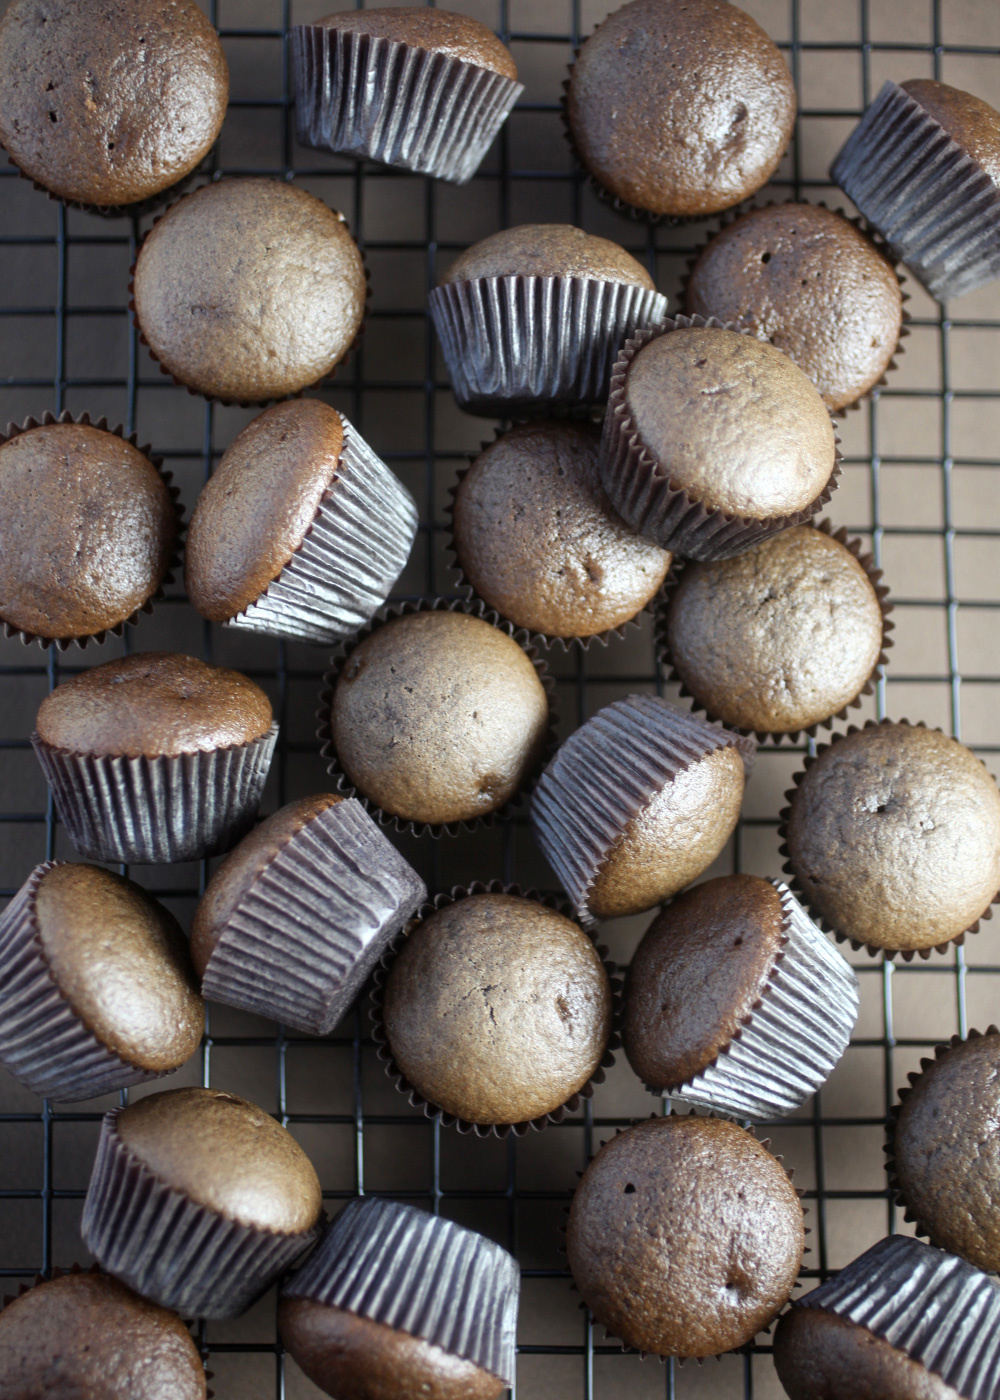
{"x": 782, "y": 638}
{"x": 686, "y": 137}
{"x": 109, "y": 107}
{"x": 199, "y": 1200}
{"x": 156, "y": 757}
{"x": 714, "y": 440}
{"x": 685, "y": 1237}
{"x": 96, "y": 986}
{"x": 534, "y": 316}
{"x": 301, "y": 530}
{"x": 295, "y": 918}
{"x": 395, "y": 1302}
{"x": 247, "y": 320}
{"x": 422, "y": 89}
{"x": 637, "y": 803}
{"x": 893, "y": 838}
{"x": 88, "y": 534}
{"x": 81, "y": 1335}
{"x": 814, "y": 285}
{"x": 736, "y": 1001}
{"x": 923, "y": 167}
{"x": 536, "y": 538}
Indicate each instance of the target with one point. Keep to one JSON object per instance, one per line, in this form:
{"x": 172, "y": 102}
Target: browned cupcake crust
{"x": 153, "y": 703}
{"x": 685, "y": 1236}
{"x": 109, "y": 105}
{"x": 815, "y": 286}
{"x": 249, "y": 290}
{"x": 691, "y": 135}
{"x": 970, "y": 122}
{"x": 820, "y": 1356}
{"x": 440, "y": 31}
{"x": 88, "y": 1337}
{"x": 548, "y": 250}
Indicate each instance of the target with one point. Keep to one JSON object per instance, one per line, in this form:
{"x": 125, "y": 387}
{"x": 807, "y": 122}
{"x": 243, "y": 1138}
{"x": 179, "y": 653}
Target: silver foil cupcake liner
{"x": 380, "y": 99}
{"x": 934, "y": 1307}
{"x": 419, "y": 1274}
{"x": 516, "y": 345}
{"x": 171, "y": 1249}
{"x": 936, "y": 208}
{"x": 643, "y": 494}
{"x": 352, "y": 554}
{"x": 302, "y": 941}
{"x": 606, "y": 772}
{"x": 793, "y": 1039}
{"x": 149, "y": 205}
{"x": 155, "y": 811}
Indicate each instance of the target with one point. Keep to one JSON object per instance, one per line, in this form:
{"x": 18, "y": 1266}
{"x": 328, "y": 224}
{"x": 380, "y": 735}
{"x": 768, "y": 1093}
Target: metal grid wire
{"x": 921, "y": 485}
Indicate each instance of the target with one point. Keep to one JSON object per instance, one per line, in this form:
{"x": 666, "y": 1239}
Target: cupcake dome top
{"x": 970, "y": 122}
{"x": 440, "y": 31}
{"x": 548, "y": 250}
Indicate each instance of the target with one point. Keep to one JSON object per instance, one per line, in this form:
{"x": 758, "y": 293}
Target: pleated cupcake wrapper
{"x": 936, "y": 208}
{"x": 380, "y": 99}
{"x": 171, "y": 1249}
{"x": 174, "y": 563}
{"x": 603, "y": 776}
{"x": 518, "y": 344}
{"x": 155, "y": 811}
{"x": 342, "y": 655}
{"x": 867, "y": 562}
{"x": 392, "y": 1069}
{"x": 352, "y": 554}
{"x": 112, "y": 211}
{"x": 907, "y": 954}
{"x": 933, "y": 1306}
{"x": 419, "y": 1274}
{"x": 644, "y": 496}
{"x": 302, "y": 941}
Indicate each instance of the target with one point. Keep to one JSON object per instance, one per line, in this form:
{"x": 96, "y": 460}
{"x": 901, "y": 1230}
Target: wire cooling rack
{"x": 921, "y": 485}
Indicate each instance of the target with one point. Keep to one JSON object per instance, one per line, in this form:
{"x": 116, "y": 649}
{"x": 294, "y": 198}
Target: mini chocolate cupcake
{"x": 902, "y": 1322}
{"x": 782, "y": 638}
{"x": 199, "y": 1200}
{"x": 714, "y": 440}
{"x": 534, "y": 316}
{"x": 395, "y": 1302}
{"x": 422, "y": 89}
{"x": 736, "y": 1001}
{"x": 111, "y": 105}
{"x": 295, "y": 918}
{"x": 893, "y": 838}
{"x": 815, "y": 285}
{"x": 96, "y": 986}
{"x": 81, "y": 1334}
{"x": 637, "y": 803}
{"x": 685, "y": 1237}
{"x": 923, "y": 167}
{"x": 88, "y": 533}
{"x": 686, "y": 137}
{"x": 496, "y": 1011}
{"x": 301, "y": 531}
{"x": 156, "y": 757}
{"x": 247, "y": 320}
{"x": 535, "y": 536}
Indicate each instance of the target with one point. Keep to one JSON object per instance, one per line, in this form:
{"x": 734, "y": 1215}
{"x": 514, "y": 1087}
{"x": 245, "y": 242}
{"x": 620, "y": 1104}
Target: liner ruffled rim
{"x": 403, "y": 1085}
{"x": 117, "y": 211}
{"x": 84, "y": 420}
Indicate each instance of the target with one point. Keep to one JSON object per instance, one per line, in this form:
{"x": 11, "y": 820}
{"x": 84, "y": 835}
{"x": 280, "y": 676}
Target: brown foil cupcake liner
{"x": 867, "y": 562}
{"x": 169, "y": 1248}
{"x": 301, "y": 942}
{"x": 605, "y": 773}
{"x": 932, "y": 203}
{"x": 515, "y": 345}
{"x": 818, "y": 918}
{"x": 643, "y": 494}
{"x": 155, "y": 811}
{"x": 352, "y": 554}
{"x": 114, "y": 211}
{"x": 379, "y": 99}
{"x": 420, "y": 1274}
{"x": 174, "y": 563}
{"x": 392, "y": 1069}
{"x": 342, "y": 655}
